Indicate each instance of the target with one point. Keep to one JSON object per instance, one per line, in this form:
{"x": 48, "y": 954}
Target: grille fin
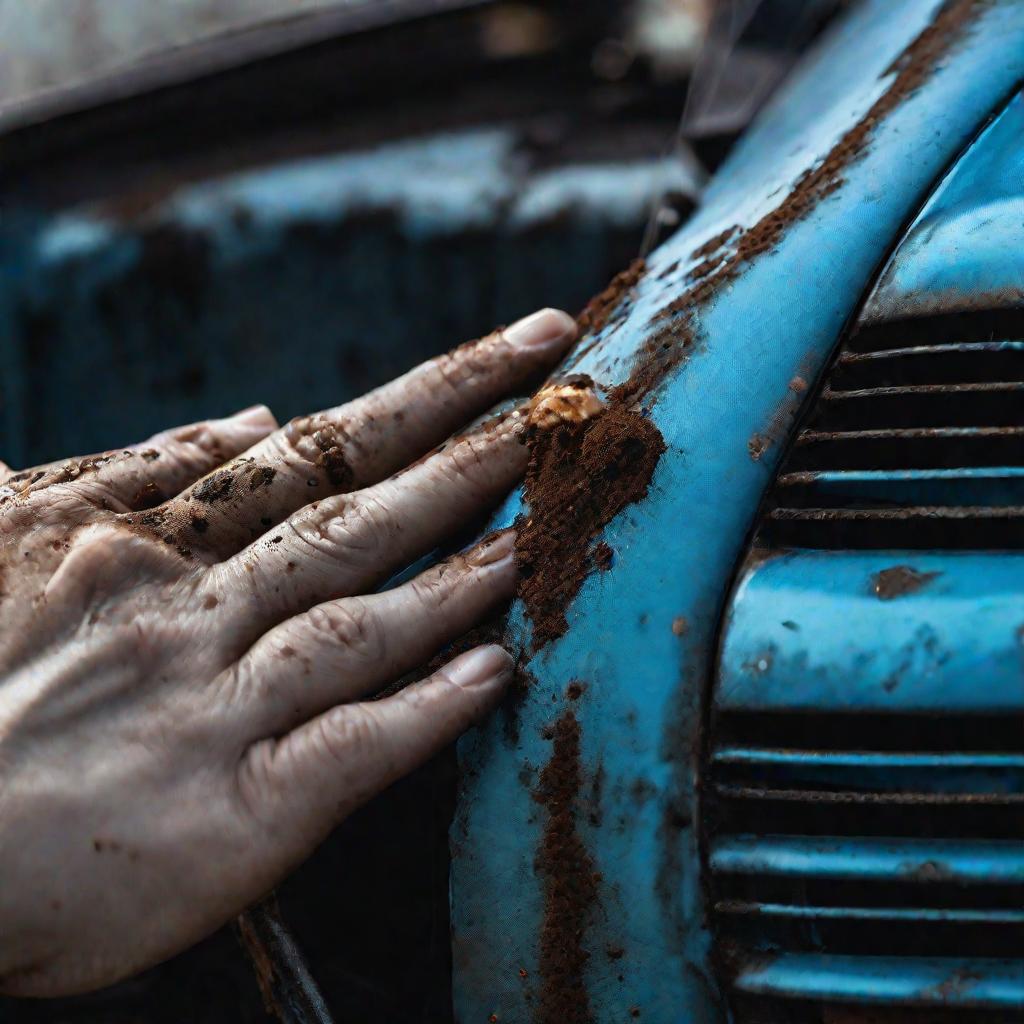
{"x": 918, "y": 444}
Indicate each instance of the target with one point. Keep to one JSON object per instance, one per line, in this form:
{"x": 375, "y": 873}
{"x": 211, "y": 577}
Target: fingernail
{"x": 492, "y": 550}
{"x": 481, "y": 666}
{"x": 255, "y": 414}
{"x": 545, "y": 329}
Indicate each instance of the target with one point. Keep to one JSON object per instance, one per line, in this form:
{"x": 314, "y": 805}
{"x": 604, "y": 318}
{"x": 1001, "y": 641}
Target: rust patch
{"x": 598, "y": 311}
{"x": 724, "y": 256}
{"x": 899, "y": 581}
{"x": 579, "y": 477}
{"x": 714, "y": 243}
{"x": 570, "y": 884}
{"x": 603, "y": 556}
{"x": 262, "y": 962}
{"x": 757, "y": 446}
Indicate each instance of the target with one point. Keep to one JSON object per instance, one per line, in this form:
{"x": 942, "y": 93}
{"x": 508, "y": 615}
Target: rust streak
{"x": 570, "y": 884}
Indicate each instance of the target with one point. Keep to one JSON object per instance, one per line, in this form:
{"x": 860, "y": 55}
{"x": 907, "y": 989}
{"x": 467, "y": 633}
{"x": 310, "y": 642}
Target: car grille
{"x": 868, "y": 867}
{"x": 874, "y": 875}
{"x": 916, "y": 441}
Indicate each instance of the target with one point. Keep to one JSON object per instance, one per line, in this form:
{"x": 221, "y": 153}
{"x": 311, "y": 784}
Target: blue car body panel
{"x": 965, "y": 244}
{"x": 795, "y": 636}
{"x": 641, "y": 637}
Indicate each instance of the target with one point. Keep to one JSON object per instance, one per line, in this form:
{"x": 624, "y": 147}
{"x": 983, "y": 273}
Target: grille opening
{"x": 890, "y": 938}
{"x": 760, "y": 1010}
{"x": 962, "y": 733}
{"x": 930, "y": 364}
{"x": 980, "y": 404}
{"x": 935, "y": 393}
{"x": 840, "y": 892}
{"x": 767, "y": 815}
{"x": 942, "y": 329}
{"x": 914, "y": 533}
{"x": 919, "y": 448}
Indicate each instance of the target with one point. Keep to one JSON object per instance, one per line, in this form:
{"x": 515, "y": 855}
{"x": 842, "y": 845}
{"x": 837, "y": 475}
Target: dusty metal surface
{"x": 288, "y": 988}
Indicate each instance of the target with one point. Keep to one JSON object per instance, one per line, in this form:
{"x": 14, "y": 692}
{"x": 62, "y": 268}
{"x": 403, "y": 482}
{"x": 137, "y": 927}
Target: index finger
{"x": 364, "y": 441}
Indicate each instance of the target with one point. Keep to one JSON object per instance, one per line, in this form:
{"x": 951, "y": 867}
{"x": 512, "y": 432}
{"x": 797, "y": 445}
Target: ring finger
{"x": 346, "y": 649}
{"x": 350, "y": 543}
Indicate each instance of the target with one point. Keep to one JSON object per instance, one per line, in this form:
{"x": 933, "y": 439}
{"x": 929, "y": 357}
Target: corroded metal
{"x": 288, "y": 988}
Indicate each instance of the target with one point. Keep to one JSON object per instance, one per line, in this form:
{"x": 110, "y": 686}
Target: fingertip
{"x": 492, "y": 549}
{"x": 256, "y": 417}
{"x": 483, "y": 667}
{"x": 547, "y": 330}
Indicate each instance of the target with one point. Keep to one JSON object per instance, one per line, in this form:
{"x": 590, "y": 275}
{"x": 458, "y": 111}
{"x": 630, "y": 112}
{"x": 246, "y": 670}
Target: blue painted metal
{"x": 881, "y": 914}
{"x": 981, "y": 983}
{"x": 872, "y": 771}
{"x": 965, "y": 245}
{"x": 641, "y": 711}
{"x": 917, "y": 861}
{"x": 797, "y": 636}
{"x": 974, "y": 485}
{"x": 917, "y": 640}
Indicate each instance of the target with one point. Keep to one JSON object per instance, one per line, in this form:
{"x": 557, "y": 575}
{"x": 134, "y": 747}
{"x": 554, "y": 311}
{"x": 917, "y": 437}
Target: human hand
{"x": 188, "y": 633}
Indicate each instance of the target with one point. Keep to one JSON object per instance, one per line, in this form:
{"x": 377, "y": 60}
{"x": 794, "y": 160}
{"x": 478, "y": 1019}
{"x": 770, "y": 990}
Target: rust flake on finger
{"x": 573, "y": 400}
{"x": 216, "y": 487}
{"x": 332, "y": 458}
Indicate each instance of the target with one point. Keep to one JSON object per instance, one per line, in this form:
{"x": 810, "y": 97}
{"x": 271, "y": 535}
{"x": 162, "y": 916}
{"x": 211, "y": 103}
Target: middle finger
{"x": 350, "y": 543}
{"x": 344, "y": 650}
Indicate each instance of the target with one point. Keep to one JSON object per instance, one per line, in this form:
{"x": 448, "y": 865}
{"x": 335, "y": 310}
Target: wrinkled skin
{"x": 189, "y": 632}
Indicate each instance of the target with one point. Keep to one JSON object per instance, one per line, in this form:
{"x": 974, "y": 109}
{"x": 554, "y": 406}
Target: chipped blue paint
{"x": 982, "y": 983}
{"x": 953, "y": 644}
{"x": 922, "y": 861}
{"x": 641, "y": 712}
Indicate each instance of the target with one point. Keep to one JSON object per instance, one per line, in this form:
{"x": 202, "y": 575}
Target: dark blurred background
{"x": 210, "y": 203}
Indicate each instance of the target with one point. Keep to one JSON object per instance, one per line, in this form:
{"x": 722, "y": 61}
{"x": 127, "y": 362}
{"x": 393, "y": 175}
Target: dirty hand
{"x": 187, "y": 645}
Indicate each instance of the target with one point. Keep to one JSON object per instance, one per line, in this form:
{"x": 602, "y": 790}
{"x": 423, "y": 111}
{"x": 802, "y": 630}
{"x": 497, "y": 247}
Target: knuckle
{"x": 346, "y": 530}
{"x": 351, "y": 625}
{"x": 345, "y": 732}
{"x": 453, "y": 372}
{"x": 434, "y": 590}
{"x": 470, "y": 457}
{"x": 317, "y": 445}
{"x": 294, "y": 442}
{"x": 315, "y": 538}
{"x": 376, "y": 514}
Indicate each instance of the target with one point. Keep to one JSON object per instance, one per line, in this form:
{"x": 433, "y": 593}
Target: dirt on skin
{"x": 570, "y": 884}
